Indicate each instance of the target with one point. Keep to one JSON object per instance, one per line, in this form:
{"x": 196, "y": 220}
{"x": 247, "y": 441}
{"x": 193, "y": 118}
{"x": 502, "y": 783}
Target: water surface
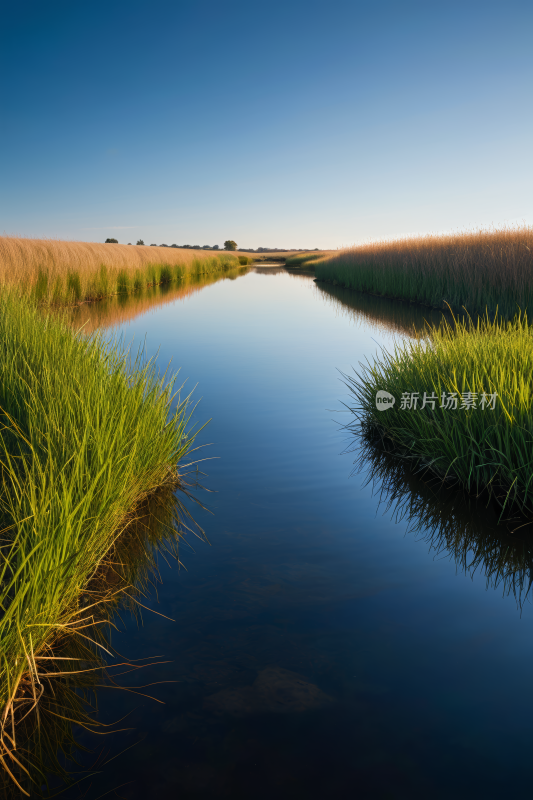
{"x": 322, "y": 644}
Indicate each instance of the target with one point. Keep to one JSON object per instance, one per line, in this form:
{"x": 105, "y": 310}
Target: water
{"x": 320, "y": 646}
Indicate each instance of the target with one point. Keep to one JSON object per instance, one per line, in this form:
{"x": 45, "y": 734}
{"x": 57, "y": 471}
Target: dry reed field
{"x": 57, "y": 272}
{"x": 486, "y": 269}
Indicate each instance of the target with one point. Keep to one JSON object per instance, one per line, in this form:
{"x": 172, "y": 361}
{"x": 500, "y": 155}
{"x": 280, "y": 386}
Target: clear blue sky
{"x": 281, "y": 124}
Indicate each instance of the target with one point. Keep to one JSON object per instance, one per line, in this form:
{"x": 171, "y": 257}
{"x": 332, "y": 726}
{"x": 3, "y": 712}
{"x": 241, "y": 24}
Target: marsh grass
{"x": 58, "y": 273}
{"x": 488, "y": 451}
{"x": 483, "y": 270}
{"x": 73, "y": 670}
{"x": 87, "y": 434}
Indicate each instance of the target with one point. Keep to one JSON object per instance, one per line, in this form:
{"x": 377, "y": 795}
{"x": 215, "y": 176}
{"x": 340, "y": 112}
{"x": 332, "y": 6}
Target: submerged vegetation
{"x": 54, "y": 272}
{"x": 482, "y": 270}
{"x": 463, "y": 406}
{"x": 87, "y": 436}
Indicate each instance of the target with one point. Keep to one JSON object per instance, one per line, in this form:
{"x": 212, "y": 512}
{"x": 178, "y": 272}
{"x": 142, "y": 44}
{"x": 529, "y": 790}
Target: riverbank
{"x": 485, "y": 270}
{"x": 53, "y": 272}
{"x": 88, "y": 434}
{"x": 458, "y": 402}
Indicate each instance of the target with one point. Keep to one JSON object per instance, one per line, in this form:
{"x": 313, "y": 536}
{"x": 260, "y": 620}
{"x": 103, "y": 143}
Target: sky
{"x": 296, "y": 124}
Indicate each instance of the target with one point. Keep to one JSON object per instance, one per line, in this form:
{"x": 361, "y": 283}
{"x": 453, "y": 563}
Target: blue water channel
{"x": 319, "y": 647}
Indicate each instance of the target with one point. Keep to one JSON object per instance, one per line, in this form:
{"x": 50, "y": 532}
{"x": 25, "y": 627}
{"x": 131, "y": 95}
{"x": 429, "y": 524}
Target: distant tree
{"x": 129, "y": 242}
{"x": 215, "y": 247}
{"x": 206, "y": 247}
{"x": 173, "y": 245}
{"x": 111, "y": 241}
{"x": 153, "y": 245}
{"x": 196, "y": 247}
{"x": 230, "y": 245}
{"x": 163, "y": 245}
{"x": 140, "y": 241}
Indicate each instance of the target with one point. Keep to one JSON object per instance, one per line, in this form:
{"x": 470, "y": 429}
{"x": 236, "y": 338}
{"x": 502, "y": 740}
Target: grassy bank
{"x": 487, "y": 269}
{"x": 86, "y": 436}
{"x": 307, "y": 260}
{"x": 482, "y": 440}
{"x": 56, "y": 272}
{"x": 50, "y": 750}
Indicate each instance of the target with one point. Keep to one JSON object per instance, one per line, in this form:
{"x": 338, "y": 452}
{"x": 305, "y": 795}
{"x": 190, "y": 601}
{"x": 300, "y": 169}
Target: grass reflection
{"x": 120, "y": 309}
{"x": 449, "y": 520}
{"x": 389, "y": 316}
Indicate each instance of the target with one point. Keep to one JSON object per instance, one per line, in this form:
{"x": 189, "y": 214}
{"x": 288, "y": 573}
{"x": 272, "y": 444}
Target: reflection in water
{"x": 269, "y": 269}
{"x": 73, "y": 670}
{"x": 120, "y": 309}
{"x": 450, "y": 521}
{"x": 393, "y": 316}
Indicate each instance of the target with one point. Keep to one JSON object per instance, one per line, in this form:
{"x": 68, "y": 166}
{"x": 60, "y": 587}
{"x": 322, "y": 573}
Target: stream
{"x": 342, "y": 631}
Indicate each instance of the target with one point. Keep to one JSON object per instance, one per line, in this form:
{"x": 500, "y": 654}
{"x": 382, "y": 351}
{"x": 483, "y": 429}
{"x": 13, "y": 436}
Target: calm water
{"x": 321, "y": 647}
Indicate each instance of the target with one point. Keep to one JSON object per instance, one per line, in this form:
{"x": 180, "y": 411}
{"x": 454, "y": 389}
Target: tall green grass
{"x": 484, "y": 270}
{"x": 482, "y": 449}
{"x": 86, "y": 435}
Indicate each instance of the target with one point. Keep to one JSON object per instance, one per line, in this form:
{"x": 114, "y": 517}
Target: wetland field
{"x": 301, "y": 598}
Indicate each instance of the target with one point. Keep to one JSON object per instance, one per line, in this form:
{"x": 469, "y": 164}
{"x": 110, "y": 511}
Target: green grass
{"x": 303, "y": 259}
{"x": 86, "y": 435}
{"x": 483, "y": 450}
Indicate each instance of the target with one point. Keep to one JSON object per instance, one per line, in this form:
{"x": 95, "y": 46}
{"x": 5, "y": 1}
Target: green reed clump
{"x": 86, "y": 434}
{"x": 103, "y": 281}
{"x": 474, "y": 423}
{"x": 122, "y": 282}
{"x": 165, "y": 275}
{"x": 41, "y": 287}
{"x": 137, "y": 281}
{"x": 73, "y": 285}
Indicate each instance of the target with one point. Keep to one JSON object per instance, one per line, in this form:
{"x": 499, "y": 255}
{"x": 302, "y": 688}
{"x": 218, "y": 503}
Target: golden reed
{"x": 487, "y": 268}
